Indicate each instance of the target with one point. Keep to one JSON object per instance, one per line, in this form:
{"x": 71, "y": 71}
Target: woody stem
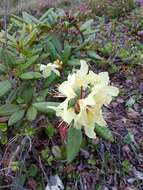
{"x": 81, "y": 92}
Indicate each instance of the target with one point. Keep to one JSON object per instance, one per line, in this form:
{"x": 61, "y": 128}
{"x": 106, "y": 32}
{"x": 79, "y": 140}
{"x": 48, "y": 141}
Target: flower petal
{"x": 99, "y": 119}
{"x": 92, "y": 78}
{"x": 67, "y": 90}
{"x": 89, "y": 131}
{"x": 66, "y": 114}
{"x": 83, "y": 68}
{"x": 89, "y": 100}
{"x": 42, "y": 67}
{"x": 56, "y": 72}
{"x": 104, "y": 78}
{"x": 47, "y": 72}
{"x": 69, "y": 115}
{"x": 113, "y": 91}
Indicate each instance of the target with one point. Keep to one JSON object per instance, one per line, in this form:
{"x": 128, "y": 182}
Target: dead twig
{"x": 13, "y": 157}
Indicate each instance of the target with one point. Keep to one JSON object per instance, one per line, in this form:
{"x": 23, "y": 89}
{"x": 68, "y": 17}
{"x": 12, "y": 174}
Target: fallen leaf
{"x": 138, "y": 174}
{"x": 131, "y": 188}
{"x": 55, "y": 183}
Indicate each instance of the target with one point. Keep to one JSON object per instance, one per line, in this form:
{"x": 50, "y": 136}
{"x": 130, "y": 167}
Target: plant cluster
{"x": 36, "y": 56}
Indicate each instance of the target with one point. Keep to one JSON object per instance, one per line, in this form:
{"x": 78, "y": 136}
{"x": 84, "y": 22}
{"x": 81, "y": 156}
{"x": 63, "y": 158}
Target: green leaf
{"x": 5, "y": 86}
{"x": 33, "y": 170}
{"x": 29, "y": 131}
{"x": 74, "y": 141}
{"x": 31, "y": 75}
{"x": 29, "y": 19}
{"x": 15, "y": 165}
{"x": 27, "y": 92}
{"x": 126, "y": 166}
{"x": 53, "y": 52}
{"x": 42, "y": 95}
{"x": 44, "y": 107}
{"x": 18, "y": 182}
{"x": 26, "y": 18}
{"x": 8, "y": 109}
{"x": 94, "y": 55}
{"x": 50, "y": 130}
{"x": 12, "y": 95}
{"x": 8, "y": 58}
{"x": 15, "y": 117}
{"x": 71, "y": 102}
{"x": 3, "y": 139}
{"x": 45, "y": 15}
{"x": 56, "y": 42}
{"x": 74, "y": 62}
{"x": 86, "y": 25}
{"x": 3, "y": 68}
{"x": 17, "y": 21}
{"x": 83, "y": 45}
{"x": 31, "y": 113}
{"x": 130, "y": 102}
{"x": 3, "y": 127}
{"x": 30, "y": 38}
{"x": 129, "y": 138}
{"x": 66, "y": 54}
{"x": 52, "y": 79}
{"x": 104, "y": 133}
{"x": 30, "y": 62}
{"x": 45, "y": 153}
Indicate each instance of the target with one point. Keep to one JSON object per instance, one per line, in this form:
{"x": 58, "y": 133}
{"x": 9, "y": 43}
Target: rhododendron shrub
{"x": 37, "y": 55}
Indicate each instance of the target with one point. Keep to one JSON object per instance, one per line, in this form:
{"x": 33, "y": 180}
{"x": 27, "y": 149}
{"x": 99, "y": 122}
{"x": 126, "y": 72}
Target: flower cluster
{"x": 86, "y": 93}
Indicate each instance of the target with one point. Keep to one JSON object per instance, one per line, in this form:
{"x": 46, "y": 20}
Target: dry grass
{"x": 111, "y": 8}
{"x": 17, "y": 6}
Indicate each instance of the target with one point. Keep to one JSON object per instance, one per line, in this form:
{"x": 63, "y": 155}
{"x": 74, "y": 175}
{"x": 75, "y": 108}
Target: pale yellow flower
{"x": 58, "y": 63}
{"x": 102, "y": 90}
{"x": 86, "y": 93}
{"x": 75, "y": 81}
{"x": 51, "y": 67}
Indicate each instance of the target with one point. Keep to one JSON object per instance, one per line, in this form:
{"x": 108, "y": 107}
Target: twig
{"x": 13, "y": 157}
{"x": 80, "y": 32}
{"x": 30, "y": 144}
{"x": 5, "y": 186}
{"x": 11, "y": 141}
{"x": 41, "y": 166}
